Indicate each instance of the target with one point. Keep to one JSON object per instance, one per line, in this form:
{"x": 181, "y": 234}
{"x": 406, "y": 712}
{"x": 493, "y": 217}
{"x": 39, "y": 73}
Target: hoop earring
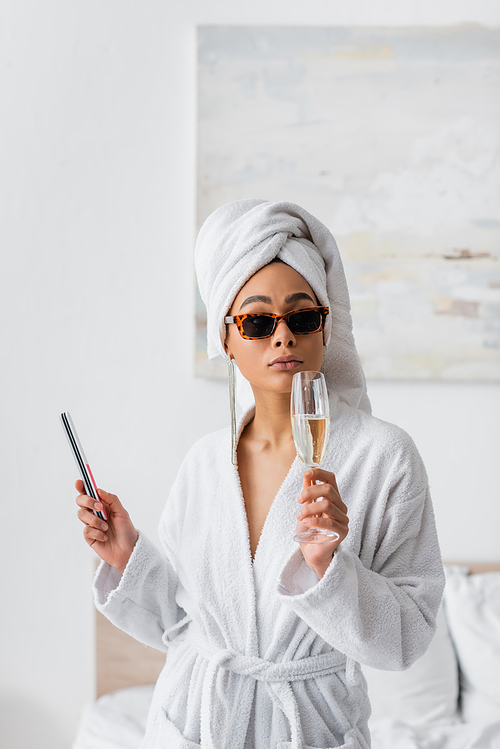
{"x": 232, "y": 405}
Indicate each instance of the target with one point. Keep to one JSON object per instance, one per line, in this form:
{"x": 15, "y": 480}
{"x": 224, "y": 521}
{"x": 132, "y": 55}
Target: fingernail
{"x": 97, "y": 505}
{"x": 308, "y": 474}
{"x": 298, "y": 515}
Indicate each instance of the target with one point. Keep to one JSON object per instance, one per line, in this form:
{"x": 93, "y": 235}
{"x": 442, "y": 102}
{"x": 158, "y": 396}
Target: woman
{"x": 264, "y": 637}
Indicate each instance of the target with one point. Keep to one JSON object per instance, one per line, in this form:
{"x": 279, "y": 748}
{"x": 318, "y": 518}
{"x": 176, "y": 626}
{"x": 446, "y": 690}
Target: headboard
{"x": 124, "y": 662}
{"x": 121, "y": 660}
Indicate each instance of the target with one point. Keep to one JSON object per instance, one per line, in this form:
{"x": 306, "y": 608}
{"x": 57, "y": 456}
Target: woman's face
{"x": 270, "y": 363}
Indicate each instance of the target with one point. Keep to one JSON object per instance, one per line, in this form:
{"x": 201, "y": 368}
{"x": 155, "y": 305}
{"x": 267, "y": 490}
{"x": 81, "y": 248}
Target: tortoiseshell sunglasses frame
{"x": 238, "y": 319}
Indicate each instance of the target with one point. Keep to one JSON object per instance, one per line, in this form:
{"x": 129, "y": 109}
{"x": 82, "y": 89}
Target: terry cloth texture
{"x": 240, "y": 633}
{"x": 260, "y": 653}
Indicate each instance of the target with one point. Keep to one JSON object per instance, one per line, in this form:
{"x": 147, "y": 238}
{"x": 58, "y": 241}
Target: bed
{"x": 448, "y": 699}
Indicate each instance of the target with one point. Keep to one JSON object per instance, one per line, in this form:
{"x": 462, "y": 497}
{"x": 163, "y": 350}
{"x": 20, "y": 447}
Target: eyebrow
{"x": 297, "y": 297}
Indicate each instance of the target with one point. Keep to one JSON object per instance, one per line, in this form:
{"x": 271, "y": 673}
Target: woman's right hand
{"x": 112, "y": 539}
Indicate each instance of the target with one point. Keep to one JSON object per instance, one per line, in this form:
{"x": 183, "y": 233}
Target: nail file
{"x": 81, "y": 461}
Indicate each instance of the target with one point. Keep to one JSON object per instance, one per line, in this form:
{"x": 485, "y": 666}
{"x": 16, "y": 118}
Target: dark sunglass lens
{"x": 258, "y": 326}
{"x": 307, "y": 321}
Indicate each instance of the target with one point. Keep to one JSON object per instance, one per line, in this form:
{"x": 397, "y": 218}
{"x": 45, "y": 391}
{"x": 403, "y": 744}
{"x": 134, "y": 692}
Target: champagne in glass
{"x": 310, "y": 410}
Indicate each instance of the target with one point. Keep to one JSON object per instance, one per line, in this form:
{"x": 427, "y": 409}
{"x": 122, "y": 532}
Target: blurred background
{"x": 98, "y": 206}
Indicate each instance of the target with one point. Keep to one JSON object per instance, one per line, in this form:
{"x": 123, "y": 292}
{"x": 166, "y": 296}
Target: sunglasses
{"x": 263, "y": 325}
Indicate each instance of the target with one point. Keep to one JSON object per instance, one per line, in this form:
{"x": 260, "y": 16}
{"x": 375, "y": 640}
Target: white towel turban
{"x": 239, "y": 238}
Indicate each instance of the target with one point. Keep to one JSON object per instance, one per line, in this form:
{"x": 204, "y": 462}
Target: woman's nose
{"x": 283, "y": 336}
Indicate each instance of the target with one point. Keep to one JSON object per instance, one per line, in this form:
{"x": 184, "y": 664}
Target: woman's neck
{"x": 271, "y": 423}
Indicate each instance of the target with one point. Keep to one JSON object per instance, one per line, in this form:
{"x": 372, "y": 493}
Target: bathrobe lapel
{"x": 231, "y": 636}
{"x": 276, "y": 542}
{"x": 274, "y": 547}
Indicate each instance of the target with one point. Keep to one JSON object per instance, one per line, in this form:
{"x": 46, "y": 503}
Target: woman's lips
{"x": 285, "y": 362}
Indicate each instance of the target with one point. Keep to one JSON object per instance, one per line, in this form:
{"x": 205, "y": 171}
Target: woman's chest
{"x": 261, "y": 475}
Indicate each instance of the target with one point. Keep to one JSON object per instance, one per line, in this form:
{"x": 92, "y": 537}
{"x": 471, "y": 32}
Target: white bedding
{"x": 118, "y": 721}
{"x": 413, "y": 709}
{"x": 393, "y": 735}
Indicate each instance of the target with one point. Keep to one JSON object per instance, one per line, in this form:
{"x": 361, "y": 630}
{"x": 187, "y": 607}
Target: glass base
{"x": 316, "y": 536}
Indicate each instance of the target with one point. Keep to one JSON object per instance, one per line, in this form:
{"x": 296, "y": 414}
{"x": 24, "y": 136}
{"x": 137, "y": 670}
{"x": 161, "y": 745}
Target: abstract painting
{"x": 390, "y": 136}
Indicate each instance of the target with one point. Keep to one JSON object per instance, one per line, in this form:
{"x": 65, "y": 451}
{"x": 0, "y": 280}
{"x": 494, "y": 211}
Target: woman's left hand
{"x": 329, "y": 512}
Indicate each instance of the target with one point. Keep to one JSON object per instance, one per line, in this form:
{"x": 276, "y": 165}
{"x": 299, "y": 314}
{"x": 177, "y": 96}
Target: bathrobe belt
{"x": 277, "y": 678}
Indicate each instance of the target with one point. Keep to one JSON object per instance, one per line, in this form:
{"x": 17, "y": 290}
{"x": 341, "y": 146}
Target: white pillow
{"x": 472, "y": 606}
{"x": 426, "y": 694}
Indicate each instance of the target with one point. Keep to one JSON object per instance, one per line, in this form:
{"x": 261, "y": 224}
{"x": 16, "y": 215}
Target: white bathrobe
{"x": 260, "y": 654}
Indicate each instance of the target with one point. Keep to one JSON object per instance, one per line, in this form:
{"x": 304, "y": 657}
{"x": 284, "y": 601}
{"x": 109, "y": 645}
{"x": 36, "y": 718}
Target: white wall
{"x": 97, "y": 202}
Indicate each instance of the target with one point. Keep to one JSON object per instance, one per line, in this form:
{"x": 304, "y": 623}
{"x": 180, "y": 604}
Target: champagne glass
{"x": 310, "y": 411}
